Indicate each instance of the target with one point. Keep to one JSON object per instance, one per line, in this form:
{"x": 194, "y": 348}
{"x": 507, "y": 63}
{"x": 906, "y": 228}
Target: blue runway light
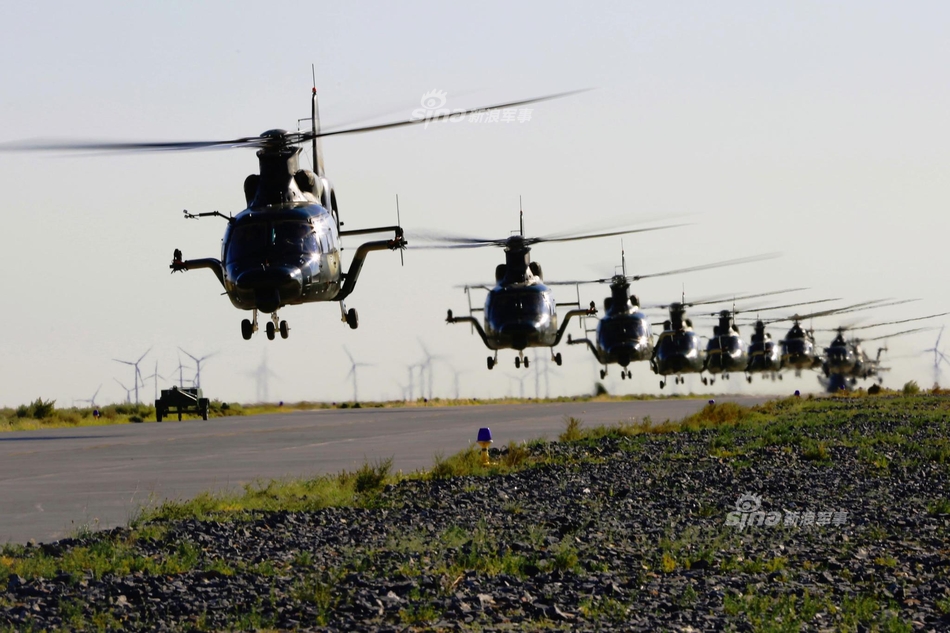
{"x": 484, "y": 434}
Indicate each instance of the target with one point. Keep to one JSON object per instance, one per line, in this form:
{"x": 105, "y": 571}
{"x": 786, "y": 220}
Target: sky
{"x": 818, "y": 130}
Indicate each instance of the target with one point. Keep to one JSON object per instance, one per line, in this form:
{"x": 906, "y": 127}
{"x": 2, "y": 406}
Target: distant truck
{"x": 181, "y": 400}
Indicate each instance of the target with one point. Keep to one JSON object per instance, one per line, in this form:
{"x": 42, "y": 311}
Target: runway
{"x": 54, "y": 481}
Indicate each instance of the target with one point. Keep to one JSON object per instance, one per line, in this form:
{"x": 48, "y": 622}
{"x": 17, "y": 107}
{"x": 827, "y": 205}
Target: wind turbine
{"x": 541, "y": 367}
{"x": 138, "y": 373}
{"x": 457, "y": 373}
{"x": 353, "y": 366}
{"x": 198, "y": 362}
{"x": 128, "y": 392}
{"x": 262, "y": 375}
{"x": 939, "y": 357}
{"x": 154, "y": 378}
{"x": 520, "y": 379}
{"x": 92, "y": 400}
{"x": 427, "y": 366}
{"x": 181, "y": 376}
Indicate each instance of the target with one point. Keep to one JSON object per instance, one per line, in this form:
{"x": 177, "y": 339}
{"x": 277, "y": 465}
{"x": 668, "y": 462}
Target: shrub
{"x": 911, "y": 388}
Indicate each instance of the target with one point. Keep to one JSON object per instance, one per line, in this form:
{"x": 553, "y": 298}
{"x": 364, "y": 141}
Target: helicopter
{"x": 285, "y": 247}
{"x": 623, "y": 333}
{"x": 520, "y": 310}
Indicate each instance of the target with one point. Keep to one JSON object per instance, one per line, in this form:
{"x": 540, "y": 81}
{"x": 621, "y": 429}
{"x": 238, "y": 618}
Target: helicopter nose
{"x": 518, "y": 333}
{"x": 271, "y": 287}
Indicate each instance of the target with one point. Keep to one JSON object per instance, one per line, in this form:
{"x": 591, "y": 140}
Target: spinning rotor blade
{"x": 268, "y": 139}
{"x": 728, "y": 262}
{"x": 456, "y": 241}
{"x": 733, "y": 298}
{"x": 814, "y": 315}
{"x": 787, "y": 305}
{"x": 865, "y": 327}
{"x": 916, "y": 329}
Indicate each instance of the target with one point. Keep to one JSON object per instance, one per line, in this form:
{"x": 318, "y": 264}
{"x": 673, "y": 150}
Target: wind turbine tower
{"x": 138, "y": 373}
{"x": 353, "y": 366}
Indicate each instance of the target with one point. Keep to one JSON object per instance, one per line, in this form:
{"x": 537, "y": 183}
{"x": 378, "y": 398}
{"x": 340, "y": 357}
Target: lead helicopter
{"x": 623, "y": 334}
{"x": 284, "y": 248}
{"x": 520, "y": 310}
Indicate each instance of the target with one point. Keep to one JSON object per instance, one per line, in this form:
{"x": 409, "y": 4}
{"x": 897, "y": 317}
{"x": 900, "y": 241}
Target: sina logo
{"x": 433, "y": 109}
{"x": 748, "y": 513}
{"x": 748, "y": 503}
{"x": 434, "y": 99}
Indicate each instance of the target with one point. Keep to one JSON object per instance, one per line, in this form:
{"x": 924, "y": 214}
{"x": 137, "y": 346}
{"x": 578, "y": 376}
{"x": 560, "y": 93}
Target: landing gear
{"x": 662, "y": 384}
{"x": 526, "y": 363}
{"x": 629, "y": 374}
{"x": 351, "y": 318}
{"x": 748, "y": 379}
{"x": 269, "y": 329}
{"x": 249, "y": 327}
{"x": 603, "y": 374}
{"x": 284, "y": 329}
{"x": 491, "y": 362}
{"x": 520, "y": 359}
{"x": 557, "y": 359}
{"x": 517, "y": 362}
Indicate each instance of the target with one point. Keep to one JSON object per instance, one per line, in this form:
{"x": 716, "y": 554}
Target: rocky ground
{"x": 692, "y": 531}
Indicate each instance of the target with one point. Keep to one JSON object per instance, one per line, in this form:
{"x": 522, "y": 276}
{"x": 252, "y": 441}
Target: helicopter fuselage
{"x": 763, "y": 354}
{"x": 726, "y": 353}
{"x": 678, "y": 351}
{"x": 799, "y": 352}
{"x": 521, "y": 315}
{"x": 285, "y": 255}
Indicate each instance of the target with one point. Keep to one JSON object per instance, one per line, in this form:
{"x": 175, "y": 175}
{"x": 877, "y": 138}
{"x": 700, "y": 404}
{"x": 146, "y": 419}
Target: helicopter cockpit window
{"x": 519, "y": 304}
{"x": 249, "y": 241}
{"x": 294, "y": 237}
{"x": 627, "y": 329}
{"x": 256, "y": 240}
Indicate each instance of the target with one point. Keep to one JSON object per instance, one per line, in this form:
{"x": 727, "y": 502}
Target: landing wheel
{"x": 603, "y": 374}
{"x": 517, "y": 362}
{"x": 749, "y": 379}
{"x": 662, "y": 384}
{"x": 491, "y": 362}
{"x": 247, "y": 329}
{"x": 705, "y": 380}
{"x": 557, "y": 359}
{"x": 623, "y": 375}
{"x": 270, "y": 329}
{"x": 526, "y": 363}
{"x": 629, "y": 374}
{"x": 780, "y": 376}
{"x": 352, "y": 318}
{"x": 284, "y": 329}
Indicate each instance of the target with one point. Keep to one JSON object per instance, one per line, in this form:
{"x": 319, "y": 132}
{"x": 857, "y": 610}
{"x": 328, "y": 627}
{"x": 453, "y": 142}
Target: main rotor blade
{"x": 865, "y": 327}
{"x": 572, "y": 238}
{"x": 721, "y": 264}
{"x": 458, "y": 113}
{"x": 916, "y": 329}
{"x": 289, "y": 138}
{"x": 787, "y": 305}
{"x": 814, "y": 315}
{"x": 727, "y": 262}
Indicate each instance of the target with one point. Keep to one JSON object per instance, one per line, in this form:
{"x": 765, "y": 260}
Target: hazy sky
{"x": 816, "y": 129}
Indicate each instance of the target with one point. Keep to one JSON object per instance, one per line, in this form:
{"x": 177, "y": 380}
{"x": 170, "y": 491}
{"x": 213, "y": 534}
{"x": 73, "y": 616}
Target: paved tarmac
{"x": 54, "y": 481}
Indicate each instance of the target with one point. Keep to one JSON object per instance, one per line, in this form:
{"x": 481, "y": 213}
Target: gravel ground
{"x": 671, "y": 532}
